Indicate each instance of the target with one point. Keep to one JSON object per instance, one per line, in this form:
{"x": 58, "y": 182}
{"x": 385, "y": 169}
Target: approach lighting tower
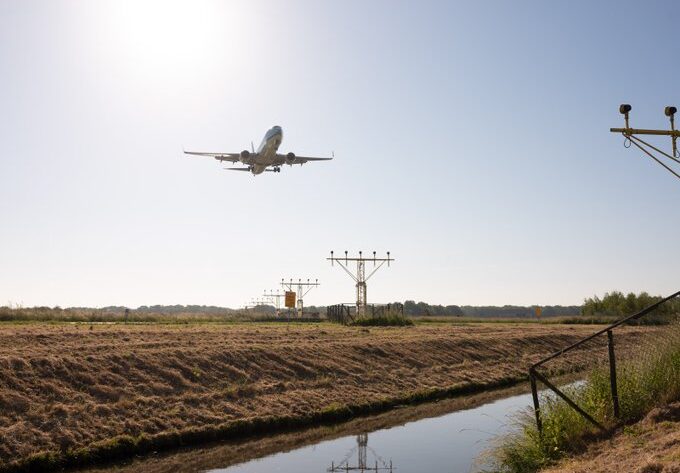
{"x": 361, "y": 277}
{"x": 259, "y": 302}
{"x": 303, "y": 289}
{"x": 631, "y": 138}
{"x": 274, "y": 298}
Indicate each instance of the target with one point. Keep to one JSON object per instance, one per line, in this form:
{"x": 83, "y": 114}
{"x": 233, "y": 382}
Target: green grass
{"x": 396, "y": 320}
{"x": 644, "y": 381}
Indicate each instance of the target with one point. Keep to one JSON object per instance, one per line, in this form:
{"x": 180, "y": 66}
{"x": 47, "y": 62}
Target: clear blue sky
{"x": 471, "y": 140}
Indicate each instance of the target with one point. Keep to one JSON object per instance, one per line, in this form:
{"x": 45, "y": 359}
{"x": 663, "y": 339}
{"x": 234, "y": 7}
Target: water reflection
{"x": 451, "y": 443}
{"x": 363, "y": 462}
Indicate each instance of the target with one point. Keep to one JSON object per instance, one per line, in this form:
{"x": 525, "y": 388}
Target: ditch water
{"x": 449, "y": 436}
{"x": 452, "y": 443}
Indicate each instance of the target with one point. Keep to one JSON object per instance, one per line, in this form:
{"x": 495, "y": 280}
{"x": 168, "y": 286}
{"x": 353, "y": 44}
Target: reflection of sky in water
{"x": 449, "y": 443}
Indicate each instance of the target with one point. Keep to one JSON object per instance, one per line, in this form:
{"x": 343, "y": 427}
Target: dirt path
{"x": 67, "y": 386}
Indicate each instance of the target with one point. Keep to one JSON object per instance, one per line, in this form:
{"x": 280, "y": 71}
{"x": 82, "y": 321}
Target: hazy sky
{"x": 471, "y": 140}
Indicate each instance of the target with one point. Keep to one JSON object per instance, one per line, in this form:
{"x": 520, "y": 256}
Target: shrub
{"x": 394, "y": 319}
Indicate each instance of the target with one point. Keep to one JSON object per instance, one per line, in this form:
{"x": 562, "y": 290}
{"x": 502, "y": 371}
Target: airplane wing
{"x": 283, "y": 159}
{"x": 233, "y": 157}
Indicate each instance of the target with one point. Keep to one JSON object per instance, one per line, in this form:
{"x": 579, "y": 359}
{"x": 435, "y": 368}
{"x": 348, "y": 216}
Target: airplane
{"x": 265, "y": 158}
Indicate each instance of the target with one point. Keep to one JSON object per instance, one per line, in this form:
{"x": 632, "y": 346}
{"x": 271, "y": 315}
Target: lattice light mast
{"x": 632, "y": 137}
{"x": 303, "y": 289}
{"x": 274, "y": 298}
{"x": 360, "y": 278}
{"x": 259, "y": 302}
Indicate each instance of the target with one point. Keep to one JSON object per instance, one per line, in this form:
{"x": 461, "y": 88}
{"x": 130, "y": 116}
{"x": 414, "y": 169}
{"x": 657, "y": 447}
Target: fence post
{"x": 612, "y": 372}
{"x": 534, "y": 395}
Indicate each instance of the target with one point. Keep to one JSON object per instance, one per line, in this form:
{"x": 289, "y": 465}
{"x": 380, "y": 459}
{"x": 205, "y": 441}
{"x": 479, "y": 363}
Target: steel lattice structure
{"x": 360, "y": 278}
{"x": 303, "y": 289}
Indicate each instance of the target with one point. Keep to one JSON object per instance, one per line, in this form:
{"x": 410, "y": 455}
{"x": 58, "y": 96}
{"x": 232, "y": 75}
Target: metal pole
{"x": 612, "y": 372}
{"x": 537, "y": 407}
{"x": 571, "y": 403}
{"x": 638, "y": 131}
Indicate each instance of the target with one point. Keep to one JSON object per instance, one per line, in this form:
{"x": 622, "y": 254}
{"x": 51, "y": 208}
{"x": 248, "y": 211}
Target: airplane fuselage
{"x": 265, "y": 158}
{"x": 265, "y": 155}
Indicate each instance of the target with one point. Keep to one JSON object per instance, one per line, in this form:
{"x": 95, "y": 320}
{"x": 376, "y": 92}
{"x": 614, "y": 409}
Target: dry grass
{"x": 68, "y": 386}
{"x": 650, "y": 446}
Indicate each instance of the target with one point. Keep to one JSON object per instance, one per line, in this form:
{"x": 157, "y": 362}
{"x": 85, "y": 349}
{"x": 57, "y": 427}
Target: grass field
{"x": 73, "y": 389}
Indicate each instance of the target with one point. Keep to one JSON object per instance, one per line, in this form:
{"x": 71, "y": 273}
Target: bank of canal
{"x": 447, "y": 436}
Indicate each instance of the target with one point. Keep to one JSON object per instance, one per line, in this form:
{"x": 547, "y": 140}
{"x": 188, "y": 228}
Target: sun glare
{"x": 156, "y": 38}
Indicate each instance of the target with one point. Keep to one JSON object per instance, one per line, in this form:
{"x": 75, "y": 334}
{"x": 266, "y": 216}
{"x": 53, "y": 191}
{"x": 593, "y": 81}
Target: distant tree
{"x": 423, "y": 309}
{"x": 410, "y": 308}
{"x": 454, "y": 310}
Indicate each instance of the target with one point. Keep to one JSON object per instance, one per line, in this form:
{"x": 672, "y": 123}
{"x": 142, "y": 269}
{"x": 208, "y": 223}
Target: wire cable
{"x": 654, "y": 148}
{"x": 656, "y": 159}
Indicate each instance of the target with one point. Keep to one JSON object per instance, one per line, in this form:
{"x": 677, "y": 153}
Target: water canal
{"x": 447, "y": 436}
{"x": 453, "y": 442}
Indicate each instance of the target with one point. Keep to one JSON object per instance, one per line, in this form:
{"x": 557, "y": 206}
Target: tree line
{"x": 413, "y": 308}
{"x": 617, "y": 304}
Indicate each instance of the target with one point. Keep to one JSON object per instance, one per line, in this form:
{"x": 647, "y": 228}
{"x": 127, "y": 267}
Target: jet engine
{"x": 245, "y": 156}
{"x": 290, "y": 158}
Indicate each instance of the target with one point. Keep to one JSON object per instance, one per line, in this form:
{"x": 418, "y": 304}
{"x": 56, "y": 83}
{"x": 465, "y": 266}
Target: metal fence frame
{"x": 535, "y": 376}
{"x": 346, "y": 313}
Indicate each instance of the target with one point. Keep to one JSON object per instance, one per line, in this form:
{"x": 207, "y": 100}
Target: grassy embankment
{"x": 646, "y": 380}
{"x": 77, "y": 393}
{"x": 651, "y": 445}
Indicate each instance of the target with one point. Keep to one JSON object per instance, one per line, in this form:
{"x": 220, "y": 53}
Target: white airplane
{"x": 265, "y": 158}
